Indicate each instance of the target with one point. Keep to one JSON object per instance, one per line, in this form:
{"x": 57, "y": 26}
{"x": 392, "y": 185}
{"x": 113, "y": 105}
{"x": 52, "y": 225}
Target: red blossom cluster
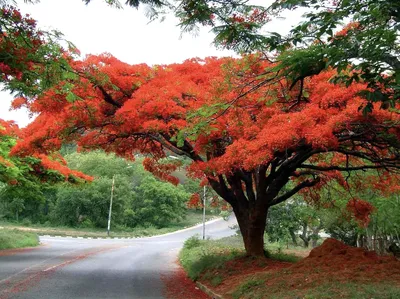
{"x": 8, "y": 128}
{"x": 255, "y": 18}
{"x": 20, "y": 43}
{"x": 197, "y": 109}
{"x": 51, "y": 164}
{"x": 361, "y": 210}
{"x": 349, "y": 27}
{"x": 161, "y": 170}
{"x": 194, "y": 201}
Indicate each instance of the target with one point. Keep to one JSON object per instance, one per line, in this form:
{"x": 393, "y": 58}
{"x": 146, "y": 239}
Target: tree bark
{"x": 293, "y": 236}
{"x": 304, "y": 237}
{"x": 252, "y": 226}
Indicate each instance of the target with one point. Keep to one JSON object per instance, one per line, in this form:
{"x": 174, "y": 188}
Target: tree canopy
{"x": 359, "y": 35}
{"x": 31, "y": 59}
{"x": 258, "y": 129}
{"x": 272, "y": 135}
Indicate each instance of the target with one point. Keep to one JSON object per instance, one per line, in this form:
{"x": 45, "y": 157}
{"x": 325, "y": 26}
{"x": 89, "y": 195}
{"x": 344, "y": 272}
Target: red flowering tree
{"x": 16, "y": 171}
{"x": 31, "y": 59}
{"x": 256, "y": 140}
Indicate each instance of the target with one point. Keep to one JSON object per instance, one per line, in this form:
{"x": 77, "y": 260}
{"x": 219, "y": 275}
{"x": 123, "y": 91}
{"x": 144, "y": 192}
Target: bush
{"x": 26, "y": 222}
{"x": 192, "y": 242}
{"x": 197, "y": 256}
{"x": 17, "y": 239}
{"x": 87, "y": 223}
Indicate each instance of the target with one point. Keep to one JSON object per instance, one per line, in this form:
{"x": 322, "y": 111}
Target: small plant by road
{"x": 10, "y": 239}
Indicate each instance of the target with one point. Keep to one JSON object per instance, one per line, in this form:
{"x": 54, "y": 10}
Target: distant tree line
{"x": 139, "y": 199}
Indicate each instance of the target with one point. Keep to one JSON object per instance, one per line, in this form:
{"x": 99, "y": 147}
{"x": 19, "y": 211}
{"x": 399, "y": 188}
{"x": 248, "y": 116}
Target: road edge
{"x": 208, "y": 291}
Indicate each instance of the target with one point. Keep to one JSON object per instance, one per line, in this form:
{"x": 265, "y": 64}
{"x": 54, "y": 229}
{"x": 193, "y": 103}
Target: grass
{"x": 256, "y": 288}
{"x": 197, "y": 256}
{"x": 284, "y": 257}
{"x": 192, "y": 218}
{"x": 221, "y": 264}
{"x": 200, "y": 257}
{"x": 10, "y": 239}
{"x": 247, "y": 288}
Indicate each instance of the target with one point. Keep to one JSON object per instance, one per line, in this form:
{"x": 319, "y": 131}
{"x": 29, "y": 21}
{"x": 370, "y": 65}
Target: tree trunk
{"x": 293, "y": 236}
{"x": 315, "y": 235}
{"x": 304, "y": 237}
{"x": 252, "y": 226}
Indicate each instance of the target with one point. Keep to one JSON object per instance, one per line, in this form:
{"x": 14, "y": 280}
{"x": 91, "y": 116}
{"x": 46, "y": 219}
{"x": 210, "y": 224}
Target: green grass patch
{"x": 197, "y": 256}
{"x": 216, "y": 280}
{"x": 11, "y": 238}
{"x": 249, "y": 289}
{"x": 284, "y": 257}
{"x": 255, "y": 287}
{"x": 201, "y": 257}
{"x": 192, "y": 218}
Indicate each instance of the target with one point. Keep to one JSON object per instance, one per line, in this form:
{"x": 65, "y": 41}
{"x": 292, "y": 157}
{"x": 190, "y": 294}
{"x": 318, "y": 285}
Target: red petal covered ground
{"x": 179, "y": 286}
{"x": 332, "y": 261}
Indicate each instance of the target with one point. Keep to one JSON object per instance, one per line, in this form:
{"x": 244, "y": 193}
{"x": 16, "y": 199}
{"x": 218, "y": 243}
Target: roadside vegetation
{"x": 11, "y": 238}
{"x": 300, "y": 139}
{"x": 192, "y": 218}
{"x": 332, "y": 270}
{"x": 142, "y": 204}
{"x": 200, "y": 258}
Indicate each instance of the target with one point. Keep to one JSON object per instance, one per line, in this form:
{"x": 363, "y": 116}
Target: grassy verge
{"x": 10, "y": 239}
{"x": 256, "y": 288}
{"x": 223, "y": 266}
{"x": 199, "y": 256}
{"x": 192, "y": 218}
{"x": 204, "y": 258}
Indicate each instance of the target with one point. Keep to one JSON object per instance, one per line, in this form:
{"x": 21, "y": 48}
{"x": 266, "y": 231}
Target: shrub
{"x": 192, "y": 242}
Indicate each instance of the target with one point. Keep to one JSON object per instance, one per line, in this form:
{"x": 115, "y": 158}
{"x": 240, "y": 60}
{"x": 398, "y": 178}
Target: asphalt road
{"x": 67, "y": 268}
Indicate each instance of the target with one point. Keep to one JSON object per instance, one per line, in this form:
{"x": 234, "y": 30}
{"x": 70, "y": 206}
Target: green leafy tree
{"x": 359, "y": 38}
{"x": 292, "y": 220}
{"x": 158, "y": 203}
{"x": 139, "y": 199}
{"x": 88, "y": 205}
{"x": 25, "y": 180}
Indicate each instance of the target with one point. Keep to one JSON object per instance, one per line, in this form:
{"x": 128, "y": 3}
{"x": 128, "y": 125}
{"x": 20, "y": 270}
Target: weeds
{"x": 17, "y": 239}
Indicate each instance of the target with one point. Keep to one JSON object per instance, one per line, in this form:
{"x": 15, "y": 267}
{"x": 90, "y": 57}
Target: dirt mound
{"x": 332, "y": 248}
{"x": 334, "y": 258}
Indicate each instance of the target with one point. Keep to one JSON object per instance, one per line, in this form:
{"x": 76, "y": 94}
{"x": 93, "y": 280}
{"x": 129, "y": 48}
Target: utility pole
{"x": 204, "y": 212}
{"x": 109, "y": 212}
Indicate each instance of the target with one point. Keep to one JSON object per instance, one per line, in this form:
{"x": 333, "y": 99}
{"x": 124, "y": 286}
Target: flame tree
{"x": 250, "y": 135}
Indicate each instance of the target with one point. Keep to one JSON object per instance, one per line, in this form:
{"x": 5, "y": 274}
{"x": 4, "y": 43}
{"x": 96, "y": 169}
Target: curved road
{"x": 66, "y": 268}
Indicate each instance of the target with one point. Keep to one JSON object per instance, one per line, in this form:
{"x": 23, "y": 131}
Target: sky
{"x": 125, "y": 33}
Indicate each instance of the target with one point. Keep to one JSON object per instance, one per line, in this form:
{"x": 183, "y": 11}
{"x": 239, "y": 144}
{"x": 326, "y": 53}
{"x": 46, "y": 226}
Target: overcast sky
{"x": 126, "y": 34}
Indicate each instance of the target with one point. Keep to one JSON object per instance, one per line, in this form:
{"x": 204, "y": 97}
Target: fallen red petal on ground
{"x": 179, "y": 286}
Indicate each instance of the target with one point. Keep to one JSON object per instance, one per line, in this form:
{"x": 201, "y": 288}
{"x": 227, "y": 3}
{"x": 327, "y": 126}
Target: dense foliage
{"x": 360, "y": 36}
{"x": 31, "y": 60}
{"x": 272, "y": 135}
{"x": 26, "y": 180}
{"x": 138, "y": 198}
{"x": 258, "y": 130}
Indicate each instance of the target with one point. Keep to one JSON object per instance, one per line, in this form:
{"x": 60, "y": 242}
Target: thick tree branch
{"x": 248, "y": 181}
{"x": 165, "y": 143}
{"x": 107, "y": 97}
{"x": 341, "y": 168}
{"x": 287, "y": 195}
